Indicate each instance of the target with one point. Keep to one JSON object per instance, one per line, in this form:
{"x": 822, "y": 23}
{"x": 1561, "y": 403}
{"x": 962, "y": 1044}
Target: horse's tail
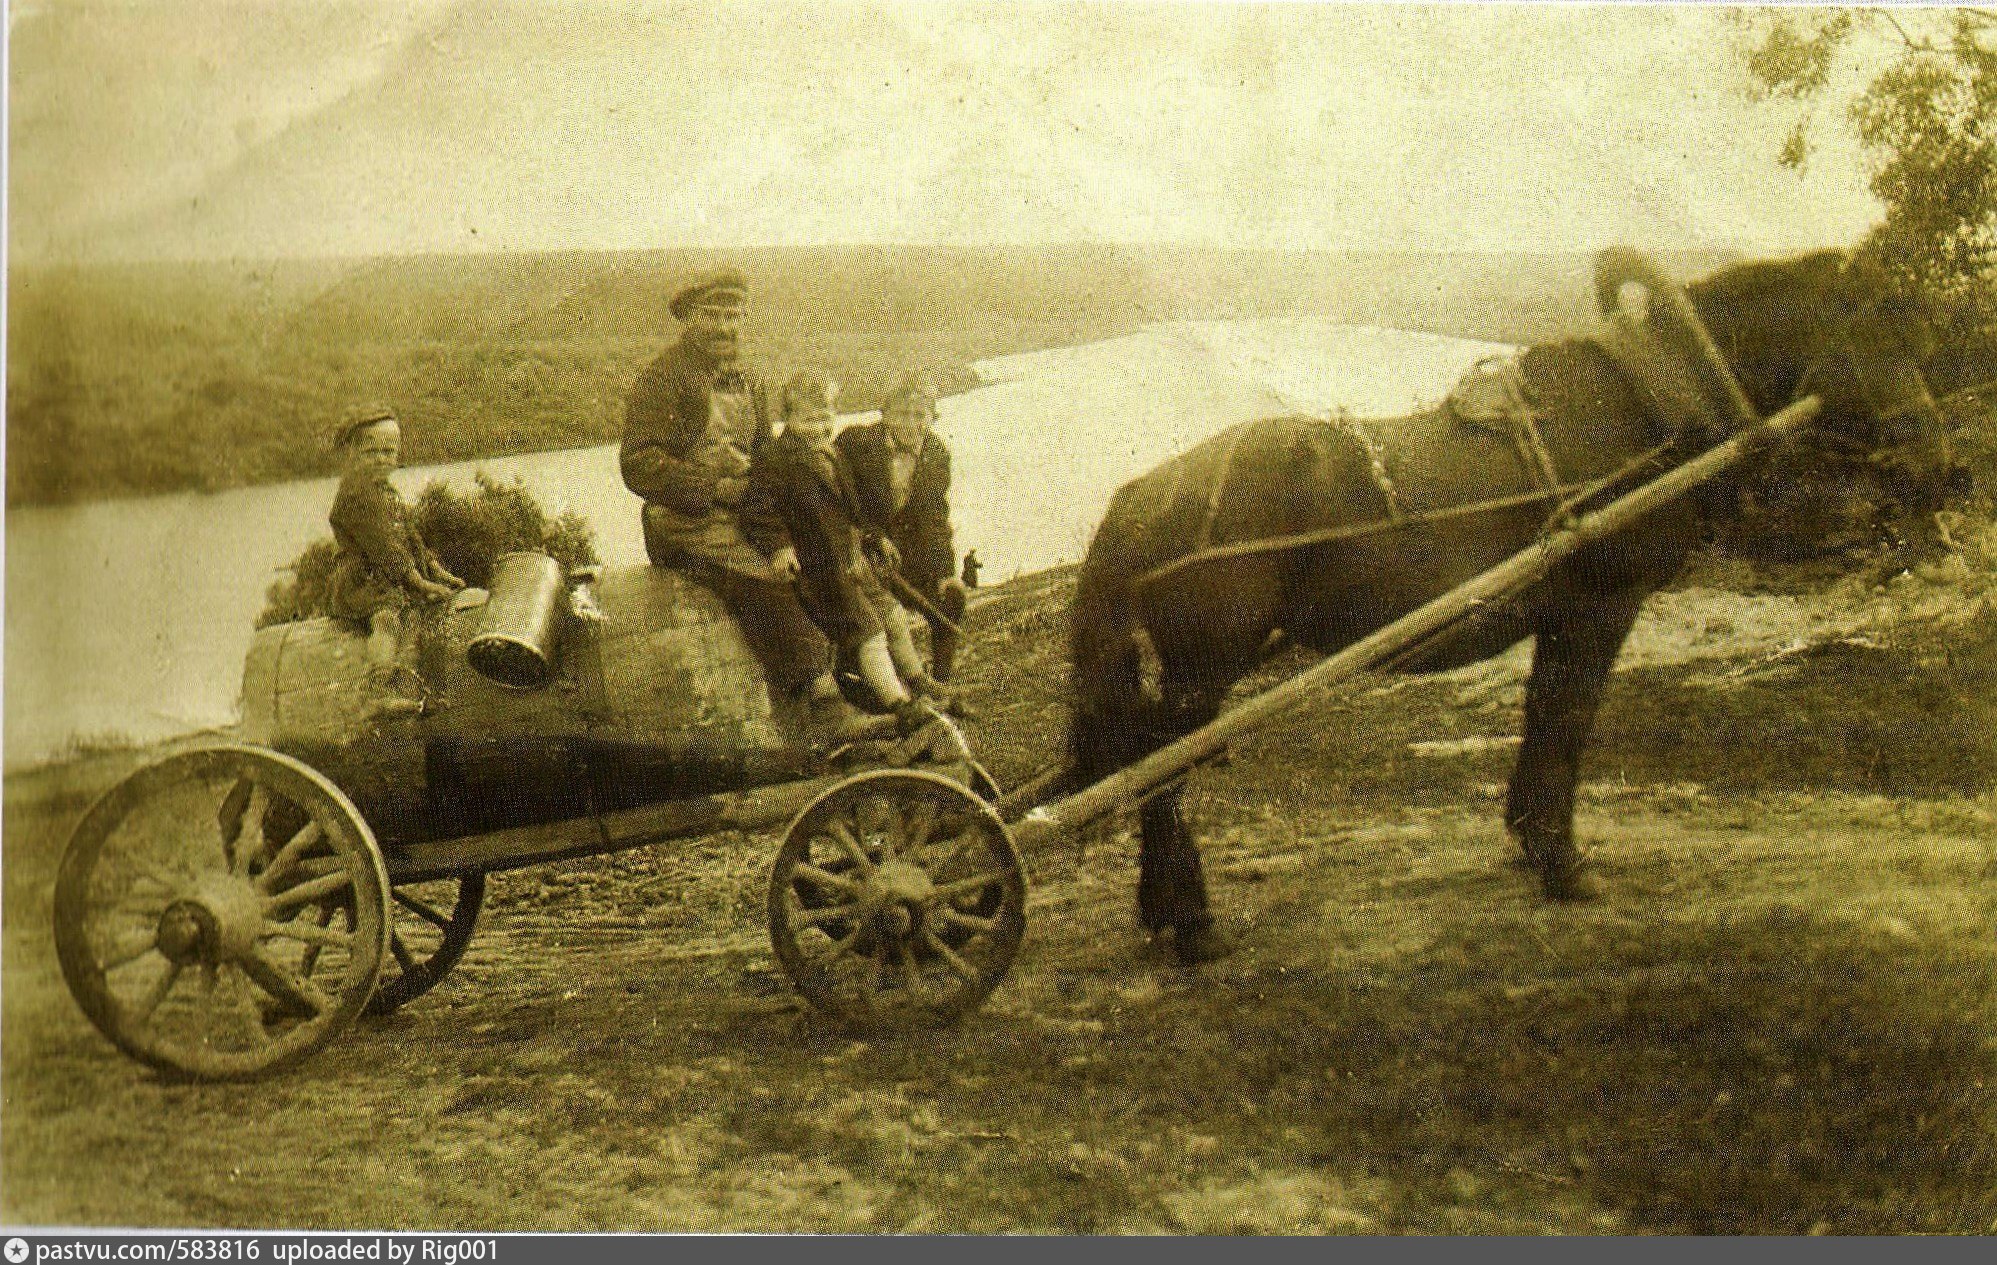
{"x": 1105, "y": 632}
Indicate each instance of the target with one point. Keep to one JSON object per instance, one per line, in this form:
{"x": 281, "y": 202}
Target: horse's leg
{"x": 1171, "y": 883}
{"x": 1171, "y": 890}
{"x": 1570, "y": 665}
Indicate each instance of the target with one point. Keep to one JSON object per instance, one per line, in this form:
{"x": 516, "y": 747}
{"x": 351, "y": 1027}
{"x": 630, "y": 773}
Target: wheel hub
{"x": 219, "y": 921}
{"x": 187, "y": 933}
{"x": 895, "y": 899}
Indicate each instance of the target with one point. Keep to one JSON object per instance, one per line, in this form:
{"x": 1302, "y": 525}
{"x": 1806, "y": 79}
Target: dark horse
{"x": 1186, "y": 587}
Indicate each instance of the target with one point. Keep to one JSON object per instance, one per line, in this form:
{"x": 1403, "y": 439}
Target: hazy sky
{"x": 199, "y": 127}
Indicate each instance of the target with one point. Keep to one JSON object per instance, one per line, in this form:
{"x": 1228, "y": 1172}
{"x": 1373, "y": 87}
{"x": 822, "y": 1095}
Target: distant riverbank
{"x": 138, "y": 380}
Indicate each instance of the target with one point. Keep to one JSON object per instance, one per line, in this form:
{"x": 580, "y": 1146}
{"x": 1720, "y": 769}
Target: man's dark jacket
{"x": 665, "y": 424}
{"x": 669, "y": 457}
{"x": 804, "y": 498}
{"x": 801, "y": 497}
{"x": 921, "y": 528}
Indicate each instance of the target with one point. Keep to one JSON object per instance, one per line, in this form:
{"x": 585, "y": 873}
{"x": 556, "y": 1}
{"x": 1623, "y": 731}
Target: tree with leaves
{"x": 1918, "y": 88}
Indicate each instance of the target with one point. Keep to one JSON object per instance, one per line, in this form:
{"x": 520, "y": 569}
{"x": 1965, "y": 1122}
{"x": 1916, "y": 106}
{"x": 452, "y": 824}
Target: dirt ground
{"x": 1782, "y": 1018}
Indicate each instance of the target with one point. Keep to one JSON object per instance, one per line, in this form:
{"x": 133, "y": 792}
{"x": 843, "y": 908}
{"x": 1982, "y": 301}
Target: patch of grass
{"x": 1914, "y": 716}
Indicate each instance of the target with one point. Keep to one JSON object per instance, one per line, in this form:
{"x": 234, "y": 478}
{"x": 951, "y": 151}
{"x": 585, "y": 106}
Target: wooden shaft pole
{"x": 1512, "y": 575}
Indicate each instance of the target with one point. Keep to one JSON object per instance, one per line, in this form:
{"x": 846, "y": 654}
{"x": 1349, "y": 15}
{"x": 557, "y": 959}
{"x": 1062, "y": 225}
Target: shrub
{"x": 468, "y": 532}
{"x": 1814, "y": 502}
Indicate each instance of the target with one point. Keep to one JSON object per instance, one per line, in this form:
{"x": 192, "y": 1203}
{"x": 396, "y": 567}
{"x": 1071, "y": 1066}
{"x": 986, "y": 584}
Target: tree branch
{"x": 1901, "y": 31}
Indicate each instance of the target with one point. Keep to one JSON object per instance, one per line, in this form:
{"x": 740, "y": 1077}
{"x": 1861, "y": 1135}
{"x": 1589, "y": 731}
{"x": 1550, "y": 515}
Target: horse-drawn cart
{"x": 230, "y": 909}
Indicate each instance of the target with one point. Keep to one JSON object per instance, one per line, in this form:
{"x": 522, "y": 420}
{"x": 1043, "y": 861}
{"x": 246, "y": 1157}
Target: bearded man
{"x": 692, "y": 424}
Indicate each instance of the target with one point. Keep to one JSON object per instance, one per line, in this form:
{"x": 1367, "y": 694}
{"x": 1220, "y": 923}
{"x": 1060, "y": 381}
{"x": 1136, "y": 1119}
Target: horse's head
{"x": 1833, "y": 325}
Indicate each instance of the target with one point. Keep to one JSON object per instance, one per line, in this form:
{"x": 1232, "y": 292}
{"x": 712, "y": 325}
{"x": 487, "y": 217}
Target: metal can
{"x": 515, "y": 643}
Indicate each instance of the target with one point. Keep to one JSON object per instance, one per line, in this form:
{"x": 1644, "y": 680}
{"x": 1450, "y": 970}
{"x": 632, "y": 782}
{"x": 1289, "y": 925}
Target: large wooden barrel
{"x": 665, "y": 679}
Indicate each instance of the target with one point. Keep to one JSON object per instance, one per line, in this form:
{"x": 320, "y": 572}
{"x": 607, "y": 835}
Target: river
{"x": 128, "y": 620}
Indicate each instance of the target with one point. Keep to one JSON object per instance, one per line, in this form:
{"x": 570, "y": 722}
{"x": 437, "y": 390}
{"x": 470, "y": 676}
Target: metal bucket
{"x": 515, "y": 643}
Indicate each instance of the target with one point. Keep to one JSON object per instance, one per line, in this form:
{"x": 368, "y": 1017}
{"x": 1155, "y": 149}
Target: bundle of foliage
{"x": 468, "y": 533}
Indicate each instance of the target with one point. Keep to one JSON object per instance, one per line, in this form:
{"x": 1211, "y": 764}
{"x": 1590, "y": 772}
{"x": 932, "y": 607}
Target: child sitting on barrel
{"x": 802, "y": 511}
{"x": 383, "y": 561}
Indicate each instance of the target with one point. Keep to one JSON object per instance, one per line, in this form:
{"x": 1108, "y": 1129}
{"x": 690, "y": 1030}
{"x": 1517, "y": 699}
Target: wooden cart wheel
{"x": 222, "y": 913}
{"x": 430, "y": 924}
{"x": 898, "y": 900}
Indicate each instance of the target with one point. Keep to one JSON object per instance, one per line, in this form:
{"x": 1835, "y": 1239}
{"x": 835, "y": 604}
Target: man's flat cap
{"x": 726, "y": 285}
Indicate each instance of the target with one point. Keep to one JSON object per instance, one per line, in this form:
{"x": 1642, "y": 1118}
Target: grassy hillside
{"x": 136, "y": 379}
{"x": 1781, "y": 1019}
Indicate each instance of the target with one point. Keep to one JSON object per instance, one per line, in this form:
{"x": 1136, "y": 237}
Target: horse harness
{"x": 1491, "y": 396}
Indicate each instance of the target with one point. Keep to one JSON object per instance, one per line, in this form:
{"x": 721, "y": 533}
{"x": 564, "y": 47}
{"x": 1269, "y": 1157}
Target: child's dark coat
{"x": 807, "y": 491}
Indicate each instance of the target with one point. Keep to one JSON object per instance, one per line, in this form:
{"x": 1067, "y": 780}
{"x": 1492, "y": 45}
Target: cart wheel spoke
{"x": 128, "y": 954}
{"x": 969, "y": 886}
{"x": 844, "y": 945}
{"x": 963, "y": 970}
{"x": 149, "y": 1004}
{"x": 207, "y": 904}
{"x": 311, "y": 933}
{"x": 293, "y": 990}
{"x": 310, "y": 890}
{"x": 848, "y": 843}
{"x": 969, "y": 922}
{"x": 960, "y": 846}
{"x": 819, "y": 917}
{"x": 309, "y": 961}
{"x": 130, "y": 904}
{"x": 288, "y": 856}
{"x": 247, "y": 843}
{"x": 420, "y": 909}
{"x": 229, "y": 817}
{"x": 826, "y": 878}
{"x": 173, "y": 882}
{"x": 431, "y": 925}
{"x": 921, "y": 819}
{"x": 880, "y": 819}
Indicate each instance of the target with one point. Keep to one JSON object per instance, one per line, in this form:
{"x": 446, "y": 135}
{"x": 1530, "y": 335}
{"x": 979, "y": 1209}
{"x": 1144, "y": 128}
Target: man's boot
{"x": 833, "y": 722}
{"x": 939, "y": 695}
{"x": 952, "y": 601}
